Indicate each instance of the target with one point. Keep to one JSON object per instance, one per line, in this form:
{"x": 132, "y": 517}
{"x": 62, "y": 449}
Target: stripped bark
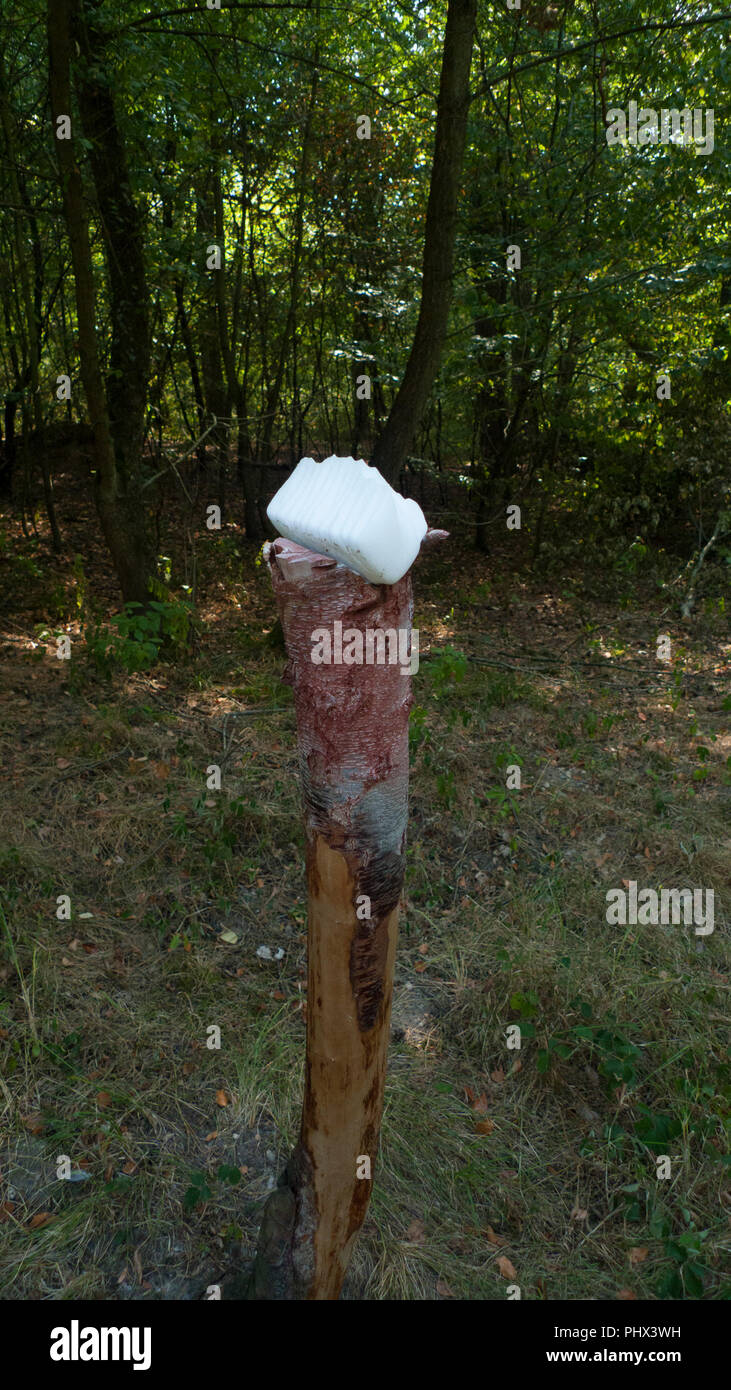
{"x": 352, "y": 723}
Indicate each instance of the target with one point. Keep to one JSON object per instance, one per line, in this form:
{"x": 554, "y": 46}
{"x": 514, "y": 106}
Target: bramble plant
{"x": 135, "y": 638}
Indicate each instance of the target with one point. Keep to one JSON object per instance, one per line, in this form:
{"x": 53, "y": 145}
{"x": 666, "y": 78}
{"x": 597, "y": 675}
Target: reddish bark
{"x": 352, "y": 723}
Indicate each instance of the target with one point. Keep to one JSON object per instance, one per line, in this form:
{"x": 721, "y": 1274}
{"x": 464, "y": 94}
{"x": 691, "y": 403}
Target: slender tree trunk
{"x": 404, "y": 418}
{"x": 352, "y": 724}
{"x": 116, "y": 412}
{"x": 285, "y": 345}
{"x": 209, "y": 329}
{"x": 31, "y": 297}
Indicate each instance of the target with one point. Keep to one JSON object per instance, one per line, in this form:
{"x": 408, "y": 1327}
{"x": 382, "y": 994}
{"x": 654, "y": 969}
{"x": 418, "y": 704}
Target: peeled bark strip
{"x": 352, "y": 724}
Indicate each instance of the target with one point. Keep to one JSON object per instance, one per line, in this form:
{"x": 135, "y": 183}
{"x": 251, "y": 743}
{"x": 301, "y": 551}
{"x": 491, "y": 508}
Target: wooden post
{"x": 352, "y": 729}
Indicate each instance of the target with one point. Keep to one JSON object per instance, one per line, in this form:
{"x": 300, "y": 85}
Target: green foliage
{"x": 603, "y": 1044}
{"x": 418, "y": 731}
{"x": 136, "y": 637}
{"x": 202, "y": 1185}
{"x": 447, "y": 669}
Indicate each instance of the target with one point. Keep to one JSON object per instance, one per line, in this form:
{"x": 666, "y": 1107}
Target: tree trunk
{"x": 116, "y": 413}
{"x": 31, "y": 295}
{"x": 441, "y": 222}
{"x": 209, "y": 326}
{"x": 352, "y": 723}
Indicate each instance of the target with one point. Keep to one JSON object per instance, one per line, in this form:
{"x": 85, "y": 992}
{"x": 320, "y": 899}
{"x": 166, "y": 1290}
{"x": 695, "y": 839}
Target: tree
{"x": 116, "y": 406}
{"x": 441, "y": 222}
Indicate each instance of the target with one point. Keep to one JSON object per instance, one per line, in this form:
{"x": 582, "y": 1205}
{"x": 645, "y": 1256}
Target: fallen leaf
{"x": 221, "y": 1098}
{"x": 136, "y": 764}
{"x": 62, "y": 762}
{"x": 638, "y": 1254}
{"x": 103, "y": 1099}
{"x": 424, "y": 947}
{"x": 230, "y": 937}
{"x": 121, "y": 1278}
{"x": 626, "y": 1294}
{"x": 162, "y": 770}
{"x": 479, "y": 1106}
{"x": 213, "y": 1135}
{"x": 130, "y": 1166}
{"x": 137, "y": 1262}
{"x": 41, "y": 1218}
{"x": 35, "y": 1122}
{"x": 420, "y": 968}
{"x": 507, "y": 1269}
{"x": 6, "y": 1210}
{"x": 579, "y": 1214}
{"x": 484, "y": 1127}
{"x": 443, "y": 1289}
{"x": 278, "y": 995}
{"x": 494, "y": 1238}
{"x": 498, "y": 1076}
{"x": 415, "y": 1234}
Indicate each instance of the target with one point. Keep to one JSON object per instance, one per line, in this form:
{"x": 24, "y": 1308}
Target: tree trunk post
{"x": 352, "y": 729}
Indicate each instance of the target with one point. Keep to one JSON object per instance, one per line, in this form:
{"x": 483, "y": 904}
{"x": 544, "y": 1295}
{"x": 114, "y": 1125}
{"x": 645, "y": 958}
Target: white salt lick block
{"x": 345, "y": 509}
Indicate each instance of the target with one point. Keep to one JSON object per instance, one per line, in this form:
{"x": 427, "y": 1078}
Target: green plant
{"x": 686, "y": 1275}
{"x": 446, "y": 669}
{"x": 616, "y": 1058}
{"x": 418, "y": 732}
{"x": 631, "y": 560}
{"x": 202, "y": 1185}
{"x": 135, "y": 637}
{"x": 446, "y": 787}
{"x": 505, "y": 805}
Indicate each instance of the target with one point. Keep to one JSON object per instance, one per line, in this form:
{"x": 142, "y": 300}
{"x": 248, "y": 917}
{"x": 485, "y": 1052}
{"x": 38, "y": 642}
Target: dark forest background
{"x": 239, "y": 129}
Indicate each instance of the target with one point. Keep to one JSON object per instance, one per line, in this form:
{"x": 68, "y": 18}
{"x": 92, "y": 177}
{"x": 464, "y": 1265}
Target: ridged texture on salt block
{"x": 345, "y": 509}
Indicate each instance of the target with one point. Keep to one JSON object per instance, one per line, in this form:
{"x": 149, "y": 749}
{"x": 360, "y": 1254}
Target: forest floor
{"x": 499, "y": 1166}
